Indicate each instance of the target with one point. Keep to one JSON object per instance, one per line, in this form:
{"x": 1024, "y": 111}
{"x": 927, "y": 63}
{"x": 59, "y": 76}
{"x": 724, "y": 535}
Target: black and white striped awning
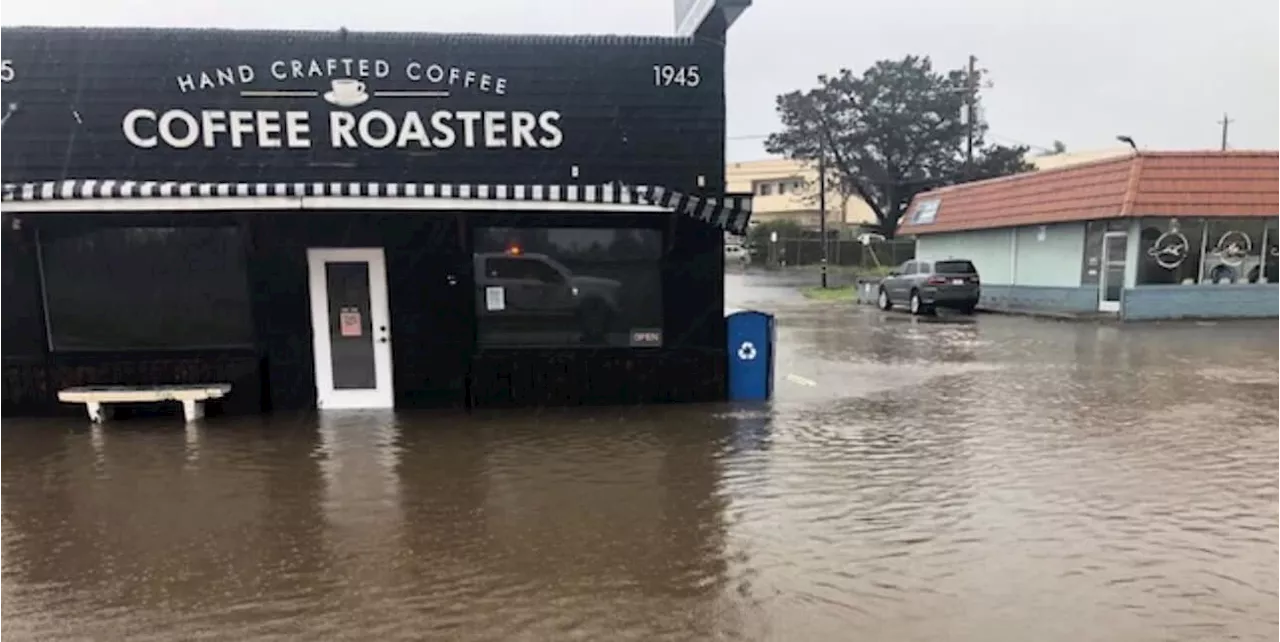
{"x": 730, "y": 212}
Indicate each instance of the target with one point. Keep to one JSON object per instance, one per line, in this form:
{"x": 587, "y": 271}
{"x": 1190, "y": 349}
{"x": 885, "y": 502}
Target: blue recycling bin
{"x": 751, "y": 337}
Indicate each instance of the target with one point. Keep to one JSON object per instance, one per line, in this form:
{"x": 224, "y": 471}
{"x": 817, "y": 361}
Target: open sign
{"x": 646, "y": 338}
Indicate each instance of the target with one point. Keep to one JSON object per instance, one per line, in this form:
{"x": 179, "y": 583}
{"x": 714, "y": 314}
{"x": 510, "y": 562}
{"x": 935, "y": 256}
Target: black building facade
{"x": 341, "y": 219}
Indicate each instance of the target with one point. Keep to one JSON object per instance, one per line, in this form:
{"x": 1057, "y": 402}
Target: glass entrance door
{"x": 1115, "y": 247}
{"x": 350, "y": 325}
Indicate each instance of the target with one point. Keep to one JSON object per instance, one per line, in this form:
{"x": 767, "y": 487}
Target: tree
{"x": 1059, "y": 147}
{"x": 890, "y": 133}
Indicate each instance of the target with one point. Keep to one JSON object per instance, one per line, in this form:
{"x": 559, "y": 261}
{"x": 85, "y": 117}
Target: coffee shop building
{"x": 358, "y": 220}
{"x": 1146, "y": 236}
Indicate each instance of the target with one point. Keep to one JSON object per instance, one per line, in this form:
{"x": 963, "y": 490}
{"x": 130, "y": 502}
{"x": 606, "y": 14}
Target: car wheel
{"x": 918, "y": 307}
{"x": 883, "y": 302}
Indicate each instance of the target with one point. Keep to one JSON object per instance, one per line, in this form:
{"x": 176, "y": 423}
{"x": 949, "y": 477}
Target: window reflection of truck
{"x": 539, "y": 286}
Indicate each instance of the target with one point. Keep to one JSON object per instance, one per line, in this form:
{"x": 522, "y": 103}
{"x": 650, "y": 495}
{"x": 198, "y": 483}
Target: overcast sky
{"x": 1080, "y": 71}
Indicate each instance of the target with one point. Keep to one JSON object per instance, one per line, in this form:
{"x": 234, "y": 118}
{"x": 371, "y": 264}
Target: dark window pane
{"x": 1271, "y": 270}
{"x": 1234, "y": 251}
{"x": 350, "y": 327}
{"x": 954, "y": 267}
{"x": 1091, "y": 262}
{"x": 568, "y": 286}
{"x": 23, "y": 320}
{"x": 1169, "y": 251}
{"x": 146, "y": 288}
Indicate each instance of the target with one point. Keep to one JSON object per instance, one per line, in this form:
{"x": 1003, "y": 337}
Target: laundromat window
{"x": 568, "y": 287}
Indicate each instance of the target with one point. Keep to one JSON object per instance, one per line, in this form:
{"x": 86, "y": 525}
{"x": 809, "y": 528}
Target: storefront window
{"x": 23, "y": 321}
{"x": 568, "y": 287}
{"x": 146, "y": 288}
{"x": 1169, "y": 251}
{"x": 1234, "y": 250}
{"x": 1091, "y": 264}
{"x": 1270, "y": 269}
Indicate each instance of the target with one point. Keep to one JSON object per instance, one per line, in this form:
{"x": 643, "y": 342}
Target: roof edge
{"x": 1131, "y": 187}
{"x": 343, "y": 32}
{"x": 1031, "y": 173}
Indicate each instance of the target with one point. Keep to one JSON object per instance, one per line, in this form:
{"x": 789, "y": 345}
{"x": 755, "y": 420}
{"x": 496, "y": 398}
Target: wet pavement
{"x": 994, "y": 478}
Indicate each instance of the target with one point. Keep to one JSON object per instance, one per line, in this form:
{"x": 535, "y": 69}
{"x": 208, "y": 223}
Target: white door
{"x": 1115, "y": 246}
{"x": 350, "y": 327}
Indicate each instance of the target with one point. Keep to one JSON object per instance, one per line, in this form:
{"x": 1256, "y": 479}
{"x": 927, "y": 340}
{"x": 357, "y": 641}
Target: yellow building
{"x": 788, "y": 190}
{"x": 1054, "y": 161}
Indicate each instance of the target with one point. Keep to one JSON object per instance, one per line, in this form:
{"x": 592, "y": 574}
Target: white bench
{"x": 192, "y": 397}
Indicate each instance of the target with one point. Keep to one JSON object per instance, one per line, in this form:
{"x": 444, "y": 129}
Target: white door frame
{"x": 1103, "y": 304}
{"x": 382, "y": 396}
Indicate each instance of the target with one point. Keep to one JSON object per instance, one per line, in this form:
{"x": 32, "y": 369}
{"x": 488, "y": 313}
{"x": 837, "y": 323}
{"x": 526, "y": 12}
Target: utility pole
{"x": 1225, "y": 122}
{"x": 970, "y": 97}
{"x": 822, "y": 204}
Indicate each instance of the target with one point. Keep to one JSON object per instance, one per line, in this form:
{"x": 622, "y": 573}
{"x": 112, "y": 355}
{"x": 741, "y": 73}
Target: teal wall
{"x": 1257, "y": 300}
{"x": 1014, "y": 256}
{"x": 988, "y": 249}
{"x": 1049, "y": 258}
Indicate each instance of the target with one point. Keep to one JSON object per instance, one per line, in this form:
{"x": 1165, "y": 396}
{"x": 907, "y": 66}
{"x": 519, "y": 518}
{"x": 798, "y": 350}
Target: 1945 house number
{"x": 678, "y": 75}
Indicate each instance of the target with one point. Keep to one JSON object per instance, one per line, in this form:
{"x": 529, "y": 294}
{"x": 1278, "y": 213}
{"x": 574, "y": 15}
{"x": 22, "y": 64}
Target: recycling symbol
{"x": 747, "y": 351}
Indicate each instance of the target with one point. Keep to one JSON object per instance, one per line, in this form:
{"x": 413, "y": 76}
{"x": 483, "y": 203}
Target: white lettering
{"x": 171, "y": 139}
{"x": 314, "y": 70}
{"x": 340, "y": 125}
{"x": 485, "y": 80}
{"x": 500, "y": 87}
{"x": 469, "y": 120}
{"x": 296, "y": 128}
{"x": 225, "y": 76}
{"x": 296, "y": 67}
{"x": 553, "y": 136}
{"x": 470, "y": 79}
{"x": 214, "y": 127}
{"x": 453, "y": 75}
{"x": 205, "y": 81}
{"x": 374, "y": 129}
{"x": 381, "y": 68}
{"x": 279, "y": 70}
{"x": 447, "y": 136}
{"x": 435, "y": 74}
{"x": 494, "y": 127}
{"x": 367, "y": 133}
{"x": 186, "y": 83}
{"x": 413, "y": 70}
{"x": 131, "y": 127}
{"x": 246, "y": 74}
{"x": 213, "y": 123}
{"x": 268, "y": 129}
{"x": 241, "y": 125}
{"x": 413, "y": 130}
{"x": 522, "y": 124}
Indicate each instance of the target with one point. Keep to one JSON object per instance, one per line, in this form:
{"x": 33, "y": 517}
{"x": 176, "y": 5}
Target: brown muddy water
{"x": 992, "y": 479}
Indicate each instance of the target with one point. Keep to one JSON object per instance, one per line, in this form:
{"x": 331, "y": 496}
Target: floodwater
{"x": 987, "y": 479}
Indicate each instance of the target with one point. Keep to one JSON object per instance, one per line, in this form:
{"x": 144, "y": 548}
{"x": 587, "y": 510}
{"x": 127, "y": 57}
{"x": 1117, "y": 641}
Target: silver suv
{"x": 924, "y": 286}
{"x": 538, "y": 286}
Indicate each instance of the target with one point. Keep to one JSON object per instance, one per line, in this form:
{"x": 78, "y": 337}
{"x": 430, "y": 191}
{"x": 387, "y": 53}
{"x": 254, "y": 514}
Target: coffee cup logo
{"x": 346, "y": 92}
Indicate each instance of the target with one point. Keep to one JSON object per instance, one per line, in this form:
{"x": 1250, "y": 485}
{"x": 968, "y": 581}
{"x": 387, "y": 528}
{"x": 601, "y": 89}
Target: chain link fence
{"x": 846, "y": 253}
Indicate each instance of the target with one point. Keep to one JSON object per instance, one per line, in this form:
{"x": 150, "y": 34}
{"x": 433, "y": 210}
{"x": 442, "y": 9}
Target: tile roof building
{"x": 1144, "y": 235}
